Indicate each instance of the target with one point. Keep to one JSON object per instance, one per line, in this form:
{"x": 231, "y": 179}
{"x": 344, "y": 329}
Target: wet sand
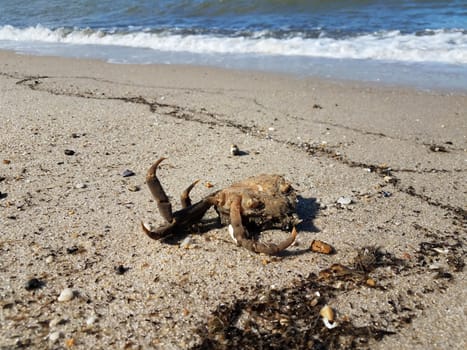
{"x": 69, "y": 219}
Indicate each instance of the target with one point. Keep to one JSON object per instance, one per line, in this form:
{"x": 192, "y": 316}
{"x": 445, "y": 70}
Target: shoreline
{"x": 71, "y": 220}
{"x": 424, "y": 76}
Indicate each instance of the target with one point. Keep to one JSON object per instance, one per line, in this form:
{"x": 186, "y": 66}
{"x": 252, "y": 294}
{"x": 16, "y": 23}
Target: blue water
{"x": 413, "y": 42}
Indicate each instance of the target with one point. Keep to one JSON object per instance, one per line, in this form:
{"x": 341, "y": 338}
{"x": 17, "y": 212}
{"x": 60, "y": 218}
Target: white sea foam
{"x": 437, "y": 46}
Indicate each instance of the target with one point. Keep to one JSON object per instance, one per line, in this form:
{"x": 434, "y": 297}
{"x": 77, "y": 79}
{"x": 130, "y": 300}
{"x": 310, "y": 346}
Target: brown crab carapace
{"x": 257, "y": 203}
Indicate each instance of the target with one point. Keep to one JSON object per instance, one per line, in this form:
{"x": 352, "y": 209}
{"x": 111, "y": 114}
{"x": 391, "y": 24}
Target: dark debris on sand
{"x": 289, "y": 318}
{"x": 283, "y": 319}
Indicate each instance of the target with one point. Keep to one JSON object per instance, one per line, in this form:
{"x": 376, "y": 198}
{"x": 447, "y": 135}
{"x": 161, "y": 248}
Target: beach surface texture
{"x": 380, "y": 172}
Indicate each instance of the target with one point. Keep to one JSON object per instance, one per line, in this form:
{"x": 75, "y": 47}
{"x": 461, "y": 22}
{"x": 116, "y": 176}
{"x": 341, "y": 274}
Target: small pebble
{"x": 344, "y": 200}
{"x": 120, "y": 269}
{"x": 133, "y": 188}
{"x": 49, "y": 259}
{"x": 57, "y": 321}
{"x": 34, "y": 283}
{"x": 234, "y": 150}
{"x": 54, "y": 336}
{"x": 66, "y": 295}
{"x": 128, "y": 173}
{"x": 72, "y": 250}
{"x": 69, "y": 152}
{"x": 186, "y": 242}
{"x": 370, "y": 282}
{"x": 6, "y": 161}
{"x": 80, "y": 185}
{"x": 91, "y": 320}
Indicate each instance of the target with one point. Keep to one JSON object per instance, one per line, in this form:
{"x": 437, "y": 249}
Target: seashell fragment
{"x": 66, "y": 295}
{"x": 390, "y": 179}
{"x": 328, "y": 324}
{"x": 327, "y": 313}
{"x": 127, "y": 173}
{"x": 344, "y": 200}
{"x": 91, "y": 320}
{"x": 321, "y": 247}
{"x": 133, "y": 188}
{"x": 186, "y": 243}
{"x": 54, "y": 336}
{"x": 441, "y": 250}
{"x": 314, "y": 302}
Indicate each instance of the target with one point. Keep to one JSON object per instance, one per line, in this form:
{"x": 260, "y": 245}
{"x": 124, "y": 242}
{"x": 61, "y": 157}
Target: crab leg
{"x": 185, "y": 197}
{"x": 176, "y": 221}
{"x": 238, "y": 233}
{"x": 165, "y": 208}
{"x": 160, "y": 232}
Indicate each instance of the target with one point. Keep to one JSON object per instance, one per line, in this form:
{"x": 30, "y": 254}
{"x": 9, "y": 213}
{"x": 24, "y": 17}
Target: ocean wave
{"x": 439, "y": 46}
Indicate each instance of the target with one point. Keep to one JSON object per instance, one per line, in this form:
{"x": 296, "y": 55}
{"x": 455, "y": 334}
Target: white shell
{"x": 344, "y": 200}
{"x": 328, "y": 324}
{"x": 54, "y": 336}
{"x": 441, "y": 250}
{"x": 66, "y": 295}
{"x": 327, "y": 313}
{"x": 91, "y": 320}
{"x": 186, "y": 242}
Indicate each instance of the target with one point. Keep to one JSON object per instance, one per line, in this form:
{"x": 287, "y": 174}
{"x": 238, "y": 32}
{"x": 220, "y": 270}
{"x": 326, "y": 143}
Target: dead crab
{"x": 257, "y": 203}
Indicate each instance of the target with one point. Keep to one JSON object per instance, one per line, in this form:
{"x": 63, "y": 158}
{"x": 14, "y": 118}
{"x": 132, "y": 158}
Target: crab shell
{"x": 267, "y": 201}
{"x": 257, "y": 203}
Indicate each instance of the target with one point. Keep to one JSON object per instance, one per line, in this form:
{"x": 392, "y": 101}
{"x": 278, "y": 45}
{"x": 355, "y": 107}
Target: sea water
{"x": 421, "y": 43}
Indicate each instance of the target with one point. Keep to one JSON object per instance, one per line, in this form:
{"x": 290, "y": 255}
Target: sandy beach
{"x": 374, "y": 167}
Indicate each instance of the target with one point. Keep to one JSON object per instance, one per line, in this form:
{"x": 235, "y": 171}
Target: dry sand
{"x": 72, "y": 221}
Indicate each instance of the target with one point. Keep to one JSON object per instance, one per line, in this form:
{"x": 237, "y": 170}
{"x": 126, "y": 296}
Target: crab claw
{"x": 160, "y": 232}
{"x": 238, "y": 234}
{"x": 264, "y": 248}
{"x": 185, "y": 197}
{"x": 179, "y": 220}
{"x": 165, "y": 208}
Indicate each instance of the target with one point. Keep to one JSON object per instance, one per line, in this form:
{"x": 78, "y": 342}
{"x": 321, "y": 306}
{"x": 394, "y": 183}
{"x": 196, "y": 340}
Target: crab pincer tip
{"x": 145, "y": 228}
{"x": 294, "y": 232}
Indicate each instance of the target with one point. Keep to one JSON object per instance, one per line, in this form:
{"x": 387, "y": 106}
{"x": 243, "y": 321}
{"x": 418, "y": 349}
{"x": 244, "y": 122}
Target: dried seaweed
{"x": 283, "y": 319}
